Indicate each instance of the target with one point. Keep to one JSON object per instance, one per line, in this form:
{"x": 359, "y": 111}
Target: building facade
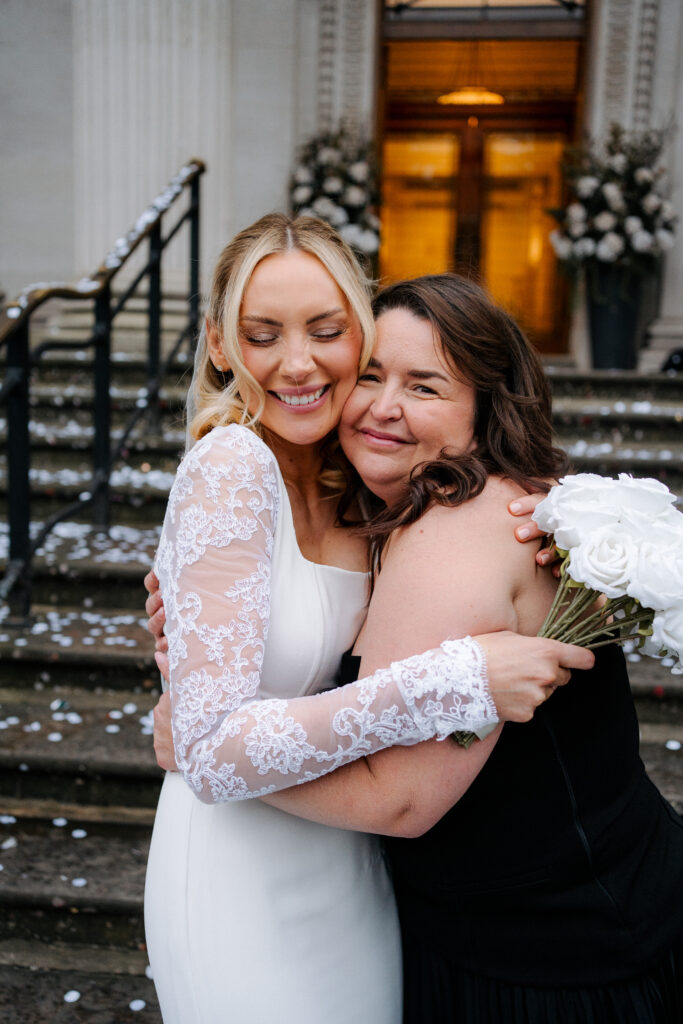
{"x": 104, "y": 100}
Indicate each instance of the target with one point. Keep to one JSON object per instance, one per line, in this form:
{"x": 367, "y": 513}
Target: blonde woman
{"x": 252, "y": 914}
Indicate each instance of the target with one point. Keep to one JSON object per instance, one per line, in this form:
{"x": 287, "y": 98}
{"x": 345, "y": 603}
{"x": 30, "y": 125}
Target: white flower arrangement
{"x": 335, "y": 180}
{"x": 623, "y": 539}
{"x": 617, "y": 214}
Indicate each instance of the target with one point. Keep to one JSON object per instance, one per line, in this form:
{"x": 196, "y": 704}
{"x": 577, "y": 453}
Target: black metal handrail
{"x": 15, "y": 320}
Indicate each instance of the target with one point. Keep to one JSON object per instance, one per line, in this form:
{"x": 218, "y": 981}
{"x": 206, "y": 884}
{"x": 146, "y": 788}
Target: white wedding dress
{"x": 253, "y": 915}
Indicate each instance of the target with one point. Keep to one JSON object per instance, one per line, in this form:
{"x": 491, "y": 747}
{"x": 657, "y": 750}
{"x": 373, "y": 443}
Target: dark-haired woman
{"x": 551, "y": 889}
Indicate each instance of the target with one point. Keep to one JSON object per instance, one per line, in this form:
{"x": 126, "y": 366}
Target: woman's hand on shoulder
{"x": 524, "y": 671}
{"x": 523, "y": 507}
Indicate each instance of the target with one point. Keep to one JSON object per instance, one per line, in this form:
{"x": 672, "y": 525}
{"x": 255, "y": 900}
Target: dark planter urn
{"x": 613, "y": 297}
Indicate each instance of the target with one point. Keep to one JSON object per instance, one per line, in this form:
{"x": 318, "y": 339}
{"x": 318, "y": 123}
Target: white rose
{"x": 338, "y": 217}
{"x": 667, "y": 631}
{"x": 351, "y": 233}
{"x": 368, "y": 242}
{"x": 576, "y": 507}
{"x": 665, "y": 239}
{"x": 657, "y": 580}
{"x": 651, "y": 202}
{"x": 586, "y": 185}
{"x": 561, "y": 244}
{"x": 333, "y": 185}
{"x": 604, "y": 562}
{"x": 643, "y": 175}
{"x": 645, "y": 494}
{"x": 358, "y": 172}
{"x": 303, "y": 175}
{"x": 354, "y": 196}
{"x": 324, "y": 207}
{"x": 576, "y": 212}
{"x": 632, "y": 224}
{"x": 613, "y": 195}
{"x": 328, "y": 155}
{"x": 605, "y": 221}
{"x": 618, "y": 162}
{"x": 584, "y": 248}
{"x": 302, "y": 194}
{"x": 576, "y": 228}
{"x": 642, "y": 241}
{"x": 609, "y": 247}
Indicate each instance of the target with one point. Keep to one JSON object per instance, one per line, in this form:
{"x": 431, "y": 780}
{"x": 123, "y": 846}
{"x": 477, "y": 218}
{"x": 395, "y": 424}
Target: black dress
{"x": 553, "y": 891}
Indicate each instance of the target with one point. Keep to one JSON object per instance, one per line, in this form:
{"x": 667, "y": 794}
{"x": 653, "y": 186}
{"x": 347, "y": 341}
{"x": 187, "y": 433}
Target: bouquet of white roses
{"x": 335, "y": 180}
{"x": 622, "y": 539}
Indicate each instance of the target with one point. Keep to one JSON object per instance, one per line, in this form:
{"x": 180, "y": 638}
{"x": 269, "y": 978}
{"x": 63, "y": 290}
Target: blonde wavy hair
{"x": 221, "y": 398}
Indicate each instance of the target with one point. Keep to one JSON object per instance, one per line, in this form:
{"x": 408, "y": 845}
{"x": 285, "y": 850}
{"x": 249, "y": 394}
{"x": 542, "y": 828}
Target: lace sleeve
{"x": 213, "y": 564}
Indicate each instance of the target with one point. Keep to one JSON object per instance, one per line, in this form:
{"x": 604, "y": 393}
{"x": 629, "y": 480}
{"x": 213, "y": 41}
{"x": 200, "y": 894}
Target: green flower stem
{"x": 619, "y": 640}
{"x": 618, "y": 624}
{"x": 581, "y": 601}
{"x": 602, "y": 614}
{"x": 560, "y": 594}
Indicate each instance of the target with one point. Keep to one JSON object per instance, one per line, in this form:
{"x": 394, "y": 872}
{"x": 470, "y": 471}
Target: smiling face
{"x": 406, "y": 407}
{"x": 301, "y": 341}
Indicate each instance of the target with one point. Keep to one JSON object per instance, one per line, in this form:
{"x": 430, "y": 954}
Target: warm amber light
{"x": 471, "y": 96}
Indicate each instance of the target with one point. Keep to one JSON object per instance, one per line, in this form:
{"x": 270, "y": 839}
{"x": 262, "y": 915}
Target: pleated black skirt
{"x": 438, "y": 992}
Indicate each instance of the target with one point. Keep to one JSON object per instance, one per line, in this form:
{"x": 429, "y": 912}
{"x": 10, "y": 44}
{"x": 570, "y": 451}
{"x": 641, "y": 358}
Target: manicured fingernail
{"x": 523, "y": 532}
{"x": 515, "y": 507}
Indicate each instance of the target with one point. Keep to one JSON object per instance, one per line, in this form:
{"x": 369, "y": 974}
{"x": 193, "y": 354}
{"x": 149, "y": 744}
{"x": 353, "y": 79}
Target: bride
{"x": 252, "y": 914}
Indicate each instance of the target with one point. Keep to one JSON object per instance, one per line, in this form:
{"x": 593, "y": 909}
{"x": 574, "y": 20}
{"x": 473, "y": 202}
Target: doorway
{"x": 468, "y": 188}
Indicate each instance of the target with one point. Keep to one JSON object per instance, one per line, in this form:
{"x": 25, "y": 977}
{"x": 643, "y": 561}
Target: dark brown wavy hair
{"x": 484, "y": 348}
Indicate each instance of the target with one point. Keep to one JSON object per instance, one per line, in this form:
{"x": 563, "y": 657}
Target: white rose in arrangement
{"x": 610, "y": 247}
{"x": 584, "y": 248}
{"x": 642, "y": 494}
{"x": 359, "y": 172}
{"x": 667, "y": 210}
{"x": 576, "y": 212}
{"x": 651, "y": 202}
{"x": 643, "y": 175}
{"x": 586, "y": 185}
{"x": 561, "y": 244}
{"x": 302, "y": 194}
{"x": 605, "y": 221}
{"x": 576, "y": 228}
{"x": 324, "y": 207}
{"x": 354, "y": 196}
{"x": 351, "y": 233}
{"x": 658, "y": 575}
{"x": 333, "y": 185}
{"x": 327, "y": 155}
{"x": 667, "y": 631}
{"x": 368, "y": 242}
{"x": 604, "y": 562}
{"x": 303, "y": 175}
{"x": 618, "y": 162}
{"x": 614, "y": 196}
{"x": 582, "y": 504}
{"x": 632, "y": 224}
{"x": 642, "y": 241}
{"x": 338, "y": 217}
{"x": 665, "y": 239}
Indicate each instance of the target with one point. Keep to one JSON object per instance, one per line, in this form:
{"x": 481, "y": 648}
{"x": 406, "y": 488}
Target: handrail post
{"x": 194, "y": 263}
{"x": 154, "y": 326}
{"x": 102, "y": 410}
{"x": 19, "y": 487}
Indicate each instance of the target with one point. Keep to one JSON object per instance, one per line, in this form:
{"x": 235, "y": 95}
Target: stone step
{"x": 80, "y": 396}
{"x": 67, "y": 983}
{"x": 90, "y": 648}
{"x": 80, "y": 747}
{"x": 620, "y": 384}
{"x": 56, "y": 887}
{"x": 618, "y": 419}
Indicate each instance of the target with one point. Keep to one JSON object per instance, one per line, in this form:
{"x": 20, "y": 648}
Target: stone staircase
{"x": 78, "y": 779}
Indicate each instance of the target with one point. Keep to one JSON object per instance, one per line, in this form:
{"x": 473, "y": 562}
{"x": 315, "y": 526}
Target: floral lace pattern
{"x": 214, "y": 565}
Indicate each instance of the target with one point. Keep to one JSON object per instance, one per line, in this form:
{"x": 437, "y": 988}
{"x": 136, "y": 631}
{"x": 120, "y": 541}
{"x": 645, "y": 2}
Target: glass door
{"x": 419, "y": 204}
{"x": 521, "y": 180}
